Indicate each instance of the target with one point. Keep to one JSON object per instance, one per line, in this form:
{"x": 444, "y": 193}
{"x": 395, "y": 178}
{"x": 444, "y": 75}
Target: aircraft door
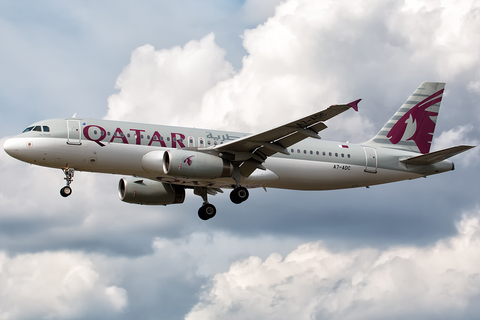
{"x": 74, "y": 134}
{"x": 371, "y": 160}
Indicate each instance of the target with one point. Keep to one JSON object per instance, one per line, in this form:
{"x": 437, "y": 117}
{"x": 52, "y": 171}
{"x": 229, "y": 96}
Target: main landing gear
{"x": 208, "y": 210}
{"x": 238, "y": 195}
{"x": 69, "y": 173}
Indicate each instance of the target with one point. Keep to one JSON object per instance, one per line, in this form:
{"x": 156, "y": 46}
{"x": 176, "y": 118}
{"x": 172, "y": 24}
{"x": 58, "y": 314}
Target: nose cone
{"x": 11, "y": 147}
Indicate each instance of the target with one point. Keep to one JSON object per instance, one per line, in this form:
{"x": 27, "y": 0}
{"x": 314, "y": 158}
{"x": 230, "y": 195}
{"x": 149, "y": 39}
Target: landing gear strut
{"x": 69, "y": 173}
{"x": 239, "y": 193}
{"x": 207, "y": 210}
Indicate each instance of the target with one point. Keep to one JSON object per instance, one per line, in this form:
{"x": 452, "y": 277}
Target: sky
{"x": 408, "y": 249}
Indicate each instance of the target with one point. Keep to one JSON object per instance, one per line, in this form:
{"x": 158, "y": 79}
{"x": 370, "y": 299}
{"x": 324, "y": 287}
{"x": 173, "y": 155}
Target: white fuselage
{"x": 118, "y": 148}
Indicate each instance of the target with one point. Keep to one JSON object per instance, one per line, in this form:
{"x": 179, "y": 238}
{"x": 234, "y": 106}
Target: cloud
{"x": 300, "y": 61}
{"x": 166, "y": 86}
{"x": 458, "y": 136}
{"x": 313, "y": 281}
{"x": 55, "y": 285}
{"x": 127, "y": 261}
{"x": 33, "y": 215}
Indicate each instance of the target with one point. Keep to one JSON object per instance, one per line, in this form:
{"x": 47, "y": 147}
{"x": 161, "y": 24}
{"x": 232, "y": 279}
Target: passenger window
{"x": 28, "y": 129}
{"x": 323, "y": 153}
{"x": 46, "y": 129}
{"x": 318, "y": 153}
{"x": 37, "y": 128}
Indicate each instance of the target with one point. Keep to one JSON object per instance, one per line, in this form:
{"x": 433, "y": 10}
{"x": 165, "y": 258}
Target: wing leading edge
{"x": 251, "y": 151}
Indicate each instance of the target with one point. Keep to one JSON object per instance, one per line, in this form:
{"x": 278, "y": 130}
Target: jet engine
{"x": 187, "y": 164}
{"x": 145, "y": 191}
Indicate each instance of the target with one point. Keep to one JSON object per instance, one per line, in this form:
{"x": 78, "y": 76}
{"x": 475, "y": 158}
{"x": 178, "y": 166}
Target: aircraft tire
{"x": 207, "y": 211}
{"x": 239, "y": 195}
{"x": 66, "y": 191}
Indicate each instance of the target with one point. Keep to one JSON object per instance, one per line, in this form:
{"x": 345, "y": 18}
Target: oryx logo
{"x": 417, "y": 124}
{"x": 188, "y": 160}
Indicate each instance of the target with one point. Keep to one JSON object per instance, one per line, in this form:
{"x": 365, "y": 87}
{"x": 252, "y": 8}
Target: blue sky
{"x": 245, "y": 66}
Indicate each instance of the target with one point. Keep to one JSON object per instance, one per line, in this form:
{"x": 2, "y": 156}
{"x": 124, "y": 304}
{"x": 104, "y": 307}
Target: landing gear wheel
{"x": 69, "y": 173}
{"x": 207, "y": 211}
{"x": 66, "y": 191}
{"x": 239, "y": 195}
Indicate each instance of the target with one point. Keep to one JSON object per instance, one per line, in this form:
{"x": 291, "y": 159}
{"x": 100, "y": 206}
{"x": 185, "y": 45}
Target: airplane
{"x": 160, "y": 162}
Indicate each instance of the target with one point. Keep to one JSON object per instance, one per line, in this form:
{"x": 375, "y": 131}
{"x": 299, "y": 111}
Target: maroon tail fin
{"x": 412, "y": 126}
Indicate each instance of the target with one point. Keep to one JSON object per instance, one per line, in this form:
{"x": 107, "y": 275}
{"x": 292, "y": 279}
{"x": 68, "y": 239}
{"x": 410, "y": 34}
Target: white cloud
{"x": 166, "y": 86}
{"x": 33, "y": 215}
{"x": 309, "y": 55}
{"x": 315, "y": 282}
{"x": 55, "y": 285}
{"x": 458, "y": 136}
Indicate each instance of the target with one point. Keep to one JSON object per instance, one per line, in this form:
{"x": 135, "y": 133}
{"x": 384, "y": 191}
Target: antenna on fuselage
{"x": 74, "y": 115}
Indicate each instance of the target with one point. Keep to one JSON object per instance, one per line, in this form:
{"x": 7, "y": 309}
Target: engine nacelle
{"x": 187, "y": 164}
{"x": 191, "y": 164}
{"x": 144, "y": 191}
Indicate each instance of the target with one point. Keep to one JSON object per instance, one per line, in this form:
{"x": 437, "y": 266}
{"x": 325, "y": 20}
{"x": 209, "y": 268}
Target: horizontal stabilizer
{"x": 437, "y": 156}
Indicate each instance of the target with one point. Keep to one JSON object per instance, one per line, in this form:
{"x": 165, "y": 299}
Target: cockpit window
{"x": 37, "y": 128}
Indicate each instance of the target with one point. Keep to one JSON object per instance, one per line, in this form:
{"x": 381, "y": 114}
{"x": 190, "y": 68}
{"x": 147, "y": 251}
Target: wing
{"x": 252, "y": 150}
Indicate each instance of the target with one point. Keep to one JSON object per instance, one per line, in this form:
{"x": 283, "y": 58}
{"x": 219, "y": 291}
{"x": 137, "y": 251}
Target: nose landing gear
{"x": 69, "y": 173}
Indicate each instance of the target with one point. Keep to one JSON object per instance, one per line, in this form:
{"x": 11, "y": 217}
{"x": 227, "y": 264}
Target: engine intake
{"x": 145, "y": 191}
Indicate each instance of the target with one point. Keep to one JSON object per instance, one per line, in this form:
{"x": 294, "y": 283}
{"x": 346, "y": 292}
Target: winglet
{"x": 354, "y": 104}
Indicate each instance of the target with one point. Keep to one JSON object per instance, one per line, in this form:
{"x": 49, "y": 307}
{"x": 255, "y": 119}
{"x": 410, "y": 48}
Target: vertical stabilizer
{"x": 412, "y": 126}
